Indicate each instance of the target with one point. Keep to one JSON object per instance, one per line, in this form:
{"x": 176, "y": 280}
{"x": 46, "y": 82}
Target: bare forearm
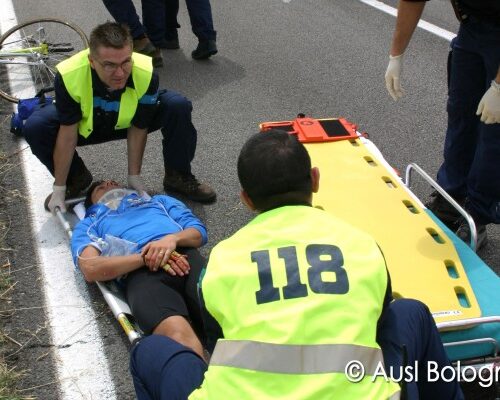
{"x": 497, "y": 78}
{"x": 409, "y": 14}
{"x": 189, "y": 237}
{"x": 64, "y": 150}
{"x": 98, "y": 268}
{"x": 136, "y": 143}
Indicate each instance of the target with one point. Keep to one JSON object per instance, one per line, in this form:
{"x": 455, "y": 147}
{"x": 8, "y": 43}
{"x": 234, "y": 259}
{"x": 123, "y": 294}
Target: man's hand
{"x": 158, "y": 253}
{"x": 57, "y": 199}
{"x": 392, "y": 76}
{"x": 136, "y": 182}
{"x": 489, "y": 106}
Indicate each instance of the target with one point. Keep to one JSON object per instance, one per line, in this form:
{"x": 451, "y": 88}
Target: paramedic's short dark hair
{"x": 110, "y": 34}
{"x": 88, "y": 197}
{"x": 274, "y": 169}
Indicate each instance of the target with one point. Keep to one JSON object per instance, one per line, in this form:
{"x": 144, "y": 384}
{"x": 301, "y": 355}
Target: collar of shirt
{"x": 100, "y": 89}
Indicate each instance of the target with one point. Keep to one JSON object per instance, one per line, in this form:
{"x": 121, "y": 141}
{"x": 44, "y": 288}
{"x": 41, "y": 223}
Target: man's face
{"x": 103, "y": 188}
{"x": 113, "y": 66}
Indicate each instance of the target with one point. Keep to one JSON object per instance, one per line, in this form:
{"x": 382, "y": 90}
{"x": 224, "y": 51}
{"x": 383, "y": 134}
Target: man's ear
{"x": 91, "y": 61}
{"x": 315, "y": 179}
{"x": 246, "y": 200}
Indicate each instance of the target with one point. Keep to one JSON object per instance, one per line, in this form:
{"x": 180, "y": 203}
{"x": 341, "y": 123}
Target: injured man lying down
{"x": 149, "y": 244}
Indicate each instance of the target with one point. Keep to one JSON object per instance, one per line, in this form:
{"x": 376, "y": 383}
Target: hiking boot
{"x": 76, "y": 186}
{"x": 205, "y": 49}
{"x": 442, "y": 209}
{"x": 463, "y": 232}
{"x": 189, "y": 186}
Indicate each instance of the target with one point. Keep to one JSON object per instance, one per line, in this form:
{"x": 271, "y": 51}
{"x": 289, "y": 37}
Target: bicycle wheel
{"x": 29, "y": 53}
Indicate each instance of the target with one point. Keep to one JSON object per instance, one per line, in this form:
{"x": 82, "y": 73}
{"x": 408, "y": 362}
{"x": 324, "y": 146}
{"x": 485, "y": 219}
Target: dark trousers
{"x": 471, "y": 166}
{"x": 160, "y": 19}
{"x": 173, "y": 118}
{"x": 406, "y": 330}
{"x": 123, "y": 12}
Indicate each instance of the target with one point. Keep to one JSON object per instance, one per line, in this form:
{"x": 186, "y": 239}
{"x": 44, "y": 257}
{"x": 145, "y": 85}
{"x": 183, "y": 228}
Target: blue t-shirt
{"x": 136, "y": 220}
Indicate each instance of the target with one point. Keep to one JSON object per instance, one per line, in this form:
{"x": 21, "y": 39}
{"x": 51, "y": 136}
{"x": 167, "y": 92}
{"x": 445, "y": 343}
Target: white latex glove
{"x": 135, "y": 182}
{"x": 57, "y": 199}
{"x": 489, "y": 106}
{"x": 392, "y": 76}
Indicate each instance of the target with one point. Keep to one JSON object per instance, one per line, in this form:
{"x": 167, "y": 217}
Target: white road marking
{"x": 436, "y": 30}
{"x": 82, "y": 368}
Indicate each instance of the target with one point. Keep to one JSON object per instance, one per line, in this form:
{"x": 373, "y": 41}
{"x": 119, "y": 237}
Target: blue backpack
{"x": 25, "y": 108}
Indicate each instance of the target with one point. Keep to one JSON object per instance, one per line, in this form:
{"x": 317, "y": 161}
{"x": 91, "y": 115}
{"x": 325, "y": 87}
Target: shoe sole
{"x": 204, "y": 56}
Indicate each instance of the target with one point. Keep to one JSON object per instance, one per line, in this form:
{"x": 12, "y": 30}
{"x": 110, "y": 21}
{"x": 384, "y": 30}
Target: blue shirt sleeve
{"x": 182, "y": 215}
{"x": 82, "y": 237}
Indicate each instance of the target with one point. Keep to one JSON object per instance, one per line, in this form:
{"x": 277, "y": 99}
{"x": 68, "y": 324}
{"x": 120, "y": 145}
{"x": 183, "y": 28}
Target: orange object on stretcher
{"x": 310, "y": 130}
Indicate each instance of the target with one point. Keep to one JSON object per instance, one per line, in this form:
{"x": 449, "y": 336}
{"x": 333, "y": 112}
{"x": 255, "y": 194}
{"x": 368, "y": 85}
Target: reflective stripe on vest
{"x": 294, "y": 359}
{"x": 77, "y": 78}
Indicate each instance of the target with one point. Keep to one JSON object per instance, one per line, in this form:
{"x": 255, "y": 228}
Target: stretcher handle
{"x": 451, "y": 200}
{"x": 114, "y": 304}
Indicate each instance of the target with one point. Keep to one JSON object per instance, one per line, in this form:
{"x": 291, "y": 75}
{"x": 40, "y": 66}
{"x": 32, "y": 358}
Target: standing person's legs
{"x": 163, "y": 369}
{"x": 407, "y": 326}
{"x": 123, "y": 12}
{"x": 465, "y": 90}
{"x": 483, "y": 186}
{"x": 171, "y": 34}
{"x": 200, "y": 14}
{"x": 153, "y": 16}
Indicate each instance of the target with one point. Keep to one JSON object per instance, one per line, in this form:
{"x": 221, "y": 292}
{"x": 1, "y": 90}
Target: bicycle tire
{"x": 17, "y": 84}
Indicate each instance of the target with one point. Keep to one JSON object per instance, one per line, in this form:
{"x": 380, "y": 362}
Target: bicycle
{"x": 29, "y": 53}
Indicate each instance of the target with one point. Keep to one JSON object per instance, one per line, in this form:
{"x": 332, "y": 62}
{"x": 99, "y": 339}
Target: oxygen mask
{"x": 112, "y": 198}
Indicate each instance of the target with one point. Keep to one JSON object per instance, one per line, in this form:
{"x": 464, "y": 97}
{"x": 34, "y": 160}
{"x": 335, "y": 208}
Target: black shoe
{"x": 444, "y": 210}
{"x": 463, "y": 232}
{"x": 189, "y": 186}
{"x": 76, "y": 186}
{"x": 205, "y": 49}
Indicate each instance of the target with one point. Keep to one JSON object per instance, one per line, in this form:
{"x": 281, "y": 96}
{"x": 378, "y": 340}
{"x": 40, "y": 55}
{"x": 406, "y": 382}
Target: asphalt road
{"x": 278, "y": 58}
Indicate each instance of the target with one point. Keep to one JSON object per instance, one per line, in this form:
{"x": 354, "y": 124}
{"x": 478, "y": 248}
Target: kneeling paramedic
{"x": 299, "y": 294}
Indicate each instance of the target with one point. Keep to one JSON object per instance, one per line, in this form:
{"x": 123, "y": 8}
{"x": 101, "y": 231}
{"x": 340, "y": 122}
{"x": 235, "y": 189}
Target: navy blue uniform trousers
{"x": 471, "y": 166}
{"x": 124, "y": 12}
{"x": 173, "y": 117}
{"x": 163, "y": 369}
{"x": 160, "y": 19}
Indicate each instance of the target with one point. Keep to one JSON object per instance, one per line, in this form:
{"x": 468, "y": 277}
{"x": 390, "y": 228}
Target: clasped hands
{"x": 161, "y": 254}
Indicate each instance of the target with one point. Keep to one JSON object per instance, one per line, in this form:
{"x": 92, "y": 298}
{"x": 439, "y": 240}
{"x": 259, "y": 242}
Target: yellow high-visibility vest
{"x": 297, "y": 293}
{"x": 77, "y": 77}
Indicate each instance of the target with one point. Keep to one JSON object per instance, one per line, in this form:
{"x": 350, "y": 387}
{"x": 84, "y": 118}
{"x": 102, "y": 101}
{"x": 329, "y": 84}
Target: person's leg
{"x": 179, "y": 133}
{"x": 40, "y": 131}
{"x": 465, "y": 91}
{"x": 157, "y": 303}
{"x": 200, "y": 15}
{"x": 123, "y": 12}
{"x": 179, "y": 329}
{"x": 484, "y": 178}
{"x": 407, "y": 326}
{"x": 153, "y": 16}
{"x": 171, "y": 34}
{"x": 164, "y": 369}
